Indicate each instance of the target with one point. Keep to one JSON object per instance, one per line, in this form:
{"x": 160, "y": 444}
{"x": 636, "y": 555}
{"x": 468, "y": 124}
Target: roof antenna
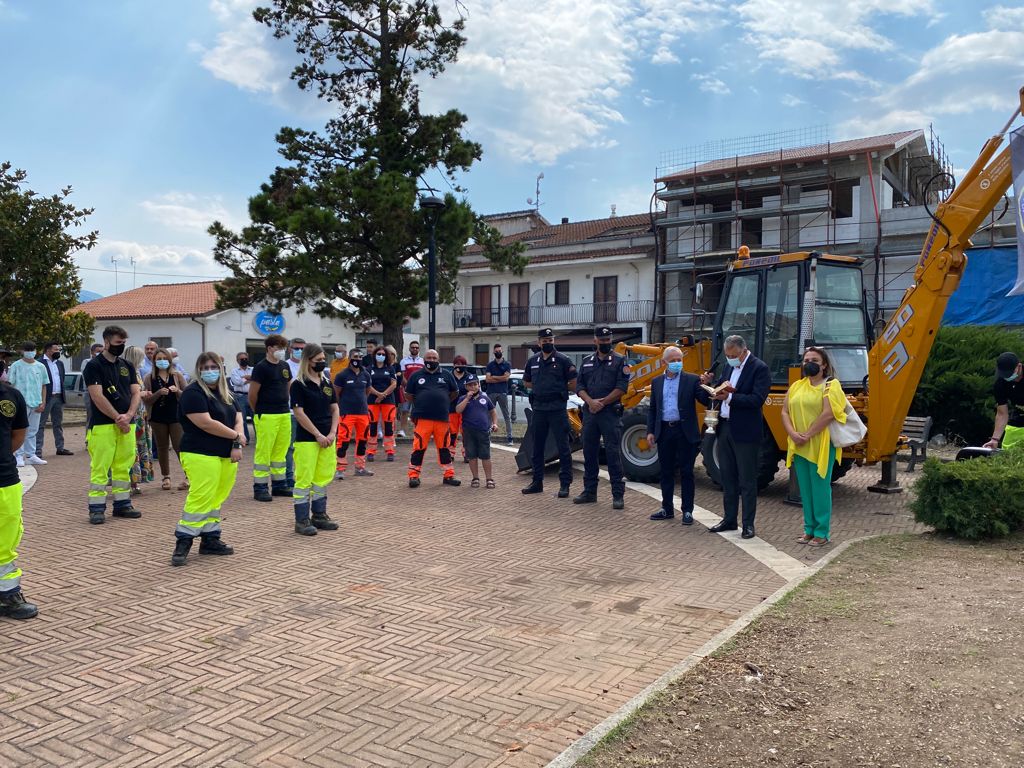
{"x": 613, "y": 210}
{"x": 535, "y": 200}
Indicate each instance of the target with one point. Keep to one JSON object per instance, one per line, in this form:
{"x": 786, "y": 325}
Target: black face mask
{"x": 116, "y": 349}
{"x": 603, "y": 348}
{"x": 431, "y": 365}
{"x": 811, "y": 369}
{"x": 497, "y": 355}
{"x": 355, "y": 363}
{"x": 547, "y": 349}
{"x": 459, "y": 369}
{"x": 244, "y": 362}
{"x": 55, "y": 355}
{"x": 319, "y": 367}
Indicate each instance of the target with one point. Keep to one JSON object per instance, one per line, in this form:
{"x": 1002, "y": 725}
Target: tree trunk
{"x": 392, "y": 335}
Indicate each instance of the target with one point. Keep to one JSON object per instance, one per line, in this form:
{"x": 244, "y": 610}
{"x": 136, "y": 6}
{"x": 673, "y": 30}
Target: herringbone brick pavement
{"x": 439, "y": 626}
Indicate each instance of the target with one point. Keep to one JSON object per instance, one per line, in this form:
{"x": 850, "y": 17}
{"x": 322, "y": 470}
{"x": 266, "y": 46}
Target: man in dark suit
{"x": 739, "y": 433}
{"x": 672, "y": 426}
{"x": 53, "y": 410}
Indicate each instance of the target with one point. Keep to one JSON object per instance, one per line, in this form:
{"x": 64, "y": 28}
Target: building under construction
{"x": 798, "y": 191}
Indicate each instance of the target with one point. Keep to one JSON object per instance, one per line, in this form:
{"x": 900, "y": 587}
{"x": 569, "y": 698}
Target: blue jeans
{"x": 289, "y": 472}
{"x": 242, "y": 402}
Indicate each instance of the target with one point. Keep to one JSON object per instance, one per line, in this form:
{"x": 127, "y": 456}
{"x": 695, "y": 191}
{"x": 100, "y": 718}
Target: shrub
{"x": 956, "y": 386}
{"x": 975, "y": 499}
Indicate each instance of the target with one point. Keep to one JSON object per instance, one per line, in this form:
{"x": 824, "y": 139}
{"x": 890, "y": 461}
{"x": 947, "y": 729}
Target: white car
{"x": 520, "y": 396}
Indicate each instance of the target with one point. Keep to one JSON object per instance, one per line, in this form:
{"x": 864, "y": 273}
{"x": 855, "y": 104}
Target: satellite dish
{"x": 529, "y": 201}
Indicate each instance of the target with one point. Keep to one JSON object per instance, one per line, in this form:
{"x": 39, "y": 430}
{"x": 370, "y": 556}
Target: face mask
{"x": 380, "y": 358}
{"x": 296, "y": 354}
{"x": 604, "y": 349}
{"x": 355, "y": 362}
{"x": 243, "y": 363}
{"x": 319, "y": 367}
{"x": 1013, "y": 378}
{"x": 163, "y": 365}
{"x": 29, "y": 355}
{"x": 431, "y": 365}
{"x": 280, "y": 355}
{"x": 497, "y": 355}
{"x": 116, "y": 349}
{"x": 676, "y": 366}
{"x": 210, "y": 377}
{"x": 733, "y": 361}
{"x": 55, "y": 356}
{"x": 459, "y": 369}
{"x": 547, "y": 349}
{"x": 339, "y": 354}
{"x": 811, "y": 369}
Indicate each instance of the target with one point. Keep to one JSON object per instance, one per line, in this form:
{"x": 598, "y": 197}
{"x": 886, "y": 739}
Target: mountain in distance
{"x": 84, "y": 296}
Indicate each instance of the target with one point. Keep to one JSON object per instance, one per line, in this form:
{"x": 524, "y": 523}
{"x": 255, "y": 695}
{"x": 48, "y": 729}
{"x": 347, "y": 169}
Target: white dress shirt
{"x": 733, "y": 380}
{"x": 58, "y": 385}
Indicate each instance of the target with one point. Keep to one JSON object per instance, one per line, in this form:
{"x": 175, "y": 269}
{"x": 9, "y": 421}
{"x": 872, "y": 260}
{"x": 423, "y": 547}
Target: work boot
{"x": 369, "y": 457}
{"x": 323, "y": 522}
{"x": 364, "y": 473}
{"x": 262, "y": 494}
{"x": 563, "y": 492}
{"x": 618, "y": 502}
{"x": 13, "y": 605}
{"x": 534, "y": 487}
{"x": 212, "y": 545}
{"x": 304, "y": 528}
{"x": 587, "y": 497}
{"x": 281, "y": 490}
{"x": 181, "y": 549}
{"x": 452, "y": 481}
{"x": 414, "y": 482}
{"x": 128, "y": 512}
{"x": 97, "y": 516}
{"x": 391, "y": 457}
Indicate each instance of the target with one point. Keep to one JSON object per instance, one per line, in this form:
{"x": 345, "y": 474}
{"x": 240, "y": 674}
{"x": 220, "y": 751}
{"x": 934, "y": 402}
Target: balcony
{"x": 557, "y": 315}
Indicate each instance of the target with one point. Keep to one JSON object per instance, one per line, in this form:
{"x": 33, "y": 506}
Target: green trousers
{"x": 815, "y": 495}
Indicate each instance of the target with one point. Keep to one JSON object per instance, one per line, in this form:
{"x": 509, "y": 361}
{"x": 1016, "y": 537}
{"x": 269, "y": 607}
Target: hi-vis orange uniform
{"x": 351, "y": 385}
{"x": 432, "y": 393}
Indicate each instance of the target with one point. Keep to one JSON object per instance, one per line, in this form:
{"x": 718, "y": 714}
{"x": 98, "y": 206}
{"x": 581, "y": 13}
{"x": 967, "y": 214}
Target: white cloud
{"x": 711, "y": 84}
{"x": 242, "y": 55}
{"x": 187, "y": 212}
{"x": 664, "y": 56}
{"x": 809, "y": 38}
{"x": 962, "y": 75}
{"x": 153, "y": 264}
{"x": 789, "y": 100}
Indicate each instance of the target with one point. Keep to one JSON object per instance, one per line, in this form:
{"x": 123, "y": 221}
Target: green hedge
{"x": 956, "y": 386}
{"x": 976, "y": 499}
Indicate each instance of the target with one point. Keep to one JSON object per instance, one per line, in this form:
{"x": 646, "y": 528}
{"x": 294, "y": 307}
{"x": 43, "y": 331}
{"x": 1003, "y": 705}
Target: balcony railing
{"x": 559, "y": 314}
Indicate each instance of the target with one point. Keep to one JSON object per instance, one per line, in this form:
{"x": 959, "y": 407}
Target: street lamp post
{"x": 433, "y": 206}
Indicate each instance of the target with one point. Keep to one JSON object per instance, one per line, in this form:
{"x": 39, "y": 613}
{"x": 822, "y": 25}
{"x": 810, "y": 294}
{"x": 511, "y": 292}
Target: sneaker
{"x": 13, "y": 605}
{"x": 401, "y": 433}
{"x": 304, "y": 528}
{"x": 128, "y": 512}
{"x": 65, "y": 452}
{"x": 391, "y": 457}
{"x": 97, "y": 517}
{"x": 181, "y": 549}
{"x": 454, "y": 481}
{"x": 369, "y": 457}
{"x": 214, "y": 546}
{"x": 33, "y": 459}
{"x": 20, "y": 461}
{"x": 339, "y": 475}
{"x": 510, "y": 441}
{"x": 364, "y": 472}
{"x": 414, "y": 482}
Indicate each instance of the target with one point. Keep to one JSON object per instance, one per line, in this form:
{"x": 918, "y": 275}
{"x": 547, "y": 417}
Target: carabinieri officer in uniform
{"x": 603, "y": 380}
{"x": 550, "y": 376}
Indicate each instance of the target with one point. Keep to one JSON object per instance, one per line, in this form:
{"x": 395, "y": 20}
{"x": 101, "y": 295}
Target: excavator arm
{"x": 896, "y": 361}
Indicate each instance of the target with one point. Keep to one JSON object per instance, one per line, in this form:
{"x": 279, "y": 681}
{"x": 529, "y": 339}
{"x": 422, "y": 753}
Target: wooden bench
{"x": 917, "y": 430}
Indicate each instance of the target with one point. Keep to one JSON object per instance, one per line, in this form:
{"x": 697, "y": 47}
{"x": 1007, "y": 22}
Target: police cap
{"x": 602, "y": 332}
{"x": 1006, "y": 364}
{"x": 545, "y": 333}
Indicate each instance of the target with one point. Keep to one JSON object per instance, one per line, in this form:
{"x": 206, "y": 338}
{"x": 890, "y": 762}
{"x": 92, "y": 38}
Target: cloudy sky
{"x": 162, "y": 115}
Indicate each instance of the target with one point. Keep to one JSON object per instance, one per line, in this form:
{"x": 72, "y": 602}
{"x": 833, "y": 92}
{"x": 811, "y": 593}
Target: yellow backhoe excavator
{"x": 782, "y": 303}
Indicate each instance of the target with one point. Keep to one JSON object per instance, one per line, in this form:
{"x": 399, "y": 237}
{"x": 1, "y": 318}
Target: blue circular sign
{"x": 267, "y": 323}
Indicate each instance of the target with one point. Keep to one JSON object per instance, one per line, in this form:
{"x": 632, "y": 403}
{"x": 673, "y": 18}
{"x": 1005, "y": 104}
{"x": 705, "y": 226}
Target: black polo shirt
{"x": 116, "y": 379}
{"x": 13, "y": 415}
{"x": 274, "y": 378}
{"x": 433, "y": 393}
{"x": 380, "y": 379}
{"x": 197, "y": 440}
{"x": 315, "y": 400}
{"x": 599, "y": 377}
{"x": 1011, "y": 394}
{"x": 550, "y": 379}
{"x": 352, "y": 386}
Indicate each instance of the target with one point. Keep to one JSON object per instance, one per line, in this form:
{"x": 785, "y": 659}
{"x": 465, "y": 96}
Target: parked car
{"x": 74, "y": 390}
{"x": 520, "y": 396}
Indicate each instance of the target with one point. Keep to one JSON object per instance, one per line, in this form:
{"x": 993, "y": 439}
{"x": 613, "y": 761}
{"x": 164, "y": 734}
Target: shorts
{"x": 405, "y": 406}
{"x": 476, "y": 443}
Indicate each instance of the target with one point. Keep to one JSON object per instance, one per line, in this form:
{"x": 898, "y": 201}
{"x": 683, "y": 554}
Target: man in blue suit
{"x": 672, "y": 426}
{"x": 739, "y": 433}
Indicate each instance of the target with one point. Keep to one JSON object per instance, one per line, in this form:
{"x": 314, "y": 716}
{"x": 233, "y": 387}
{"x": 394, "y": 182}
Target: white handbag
{"x": 850, "y": 433}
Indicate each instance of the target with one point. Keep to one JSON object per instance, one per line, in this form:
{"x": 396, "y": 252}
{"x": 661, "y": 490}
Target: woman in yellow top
{"x": 811, "y": 453}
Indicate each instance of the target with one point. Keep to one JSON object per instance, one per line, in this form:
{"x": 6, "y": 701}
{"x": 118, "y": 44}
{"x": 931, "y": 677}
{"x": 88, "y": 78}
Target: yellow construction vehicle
{"x": 782, "y": 303}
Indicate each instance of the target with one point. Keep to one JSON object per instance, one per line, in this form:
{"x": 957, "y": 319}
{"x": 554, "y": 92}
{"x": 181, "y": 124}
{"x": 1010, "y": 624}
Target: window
{"x": 842, "y": 200}
{"x": 781, "y": 322}
{"x": 481, "y": 354}
{"x": 519, "y": 304}
{"x": 445, "y": 353}
{"x": 606, "y": 297}
{"x": 163, "y": 341}
{"x": 486, "y": 300}
{"x": 557, "y": 293}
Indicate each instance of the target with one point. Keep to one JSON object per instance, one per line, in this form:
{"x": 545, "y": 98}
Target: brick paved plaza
{"x": 439, "y": 626}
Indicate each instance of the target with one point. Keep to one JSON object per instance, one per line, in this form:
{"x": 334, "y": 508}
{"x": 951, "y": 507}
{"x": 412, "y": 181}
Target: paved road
{"x": 439, "y": 626}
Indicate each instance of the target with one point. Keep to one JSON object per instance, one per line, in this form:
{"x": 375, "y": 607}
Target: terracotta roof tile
{"x": 577, "y": 232}
{"x": 797, "y": 154}
{"x": 166, "y": 300}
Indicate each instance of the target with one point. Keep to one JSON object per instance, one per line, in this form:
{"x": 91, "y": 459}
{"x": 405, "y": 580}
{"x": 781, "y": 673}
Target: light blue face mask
{"x": 210, "y": 377}
{"x": 29, "y": 355}
{"x": 676, "y": 366}
{"x": 1013, "y": 378}
{"x": 733, "y": 361}
{"x": 163, "y": 365}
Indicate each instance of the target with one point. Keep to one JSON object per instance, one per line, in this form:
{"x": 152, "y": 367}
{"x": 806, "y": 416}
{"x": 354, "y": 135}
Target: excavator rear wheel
{"x": 768, "y": 462}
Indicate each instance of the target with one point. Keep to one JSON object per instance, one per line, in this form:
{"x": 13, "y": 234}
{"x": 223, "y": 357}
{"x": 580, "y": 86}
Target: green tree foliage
{"x": 977, "y": 499}
{"x": 39, "y": 282}
{"x": 338, "y": 228}
{"x": 956, "y": 386}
